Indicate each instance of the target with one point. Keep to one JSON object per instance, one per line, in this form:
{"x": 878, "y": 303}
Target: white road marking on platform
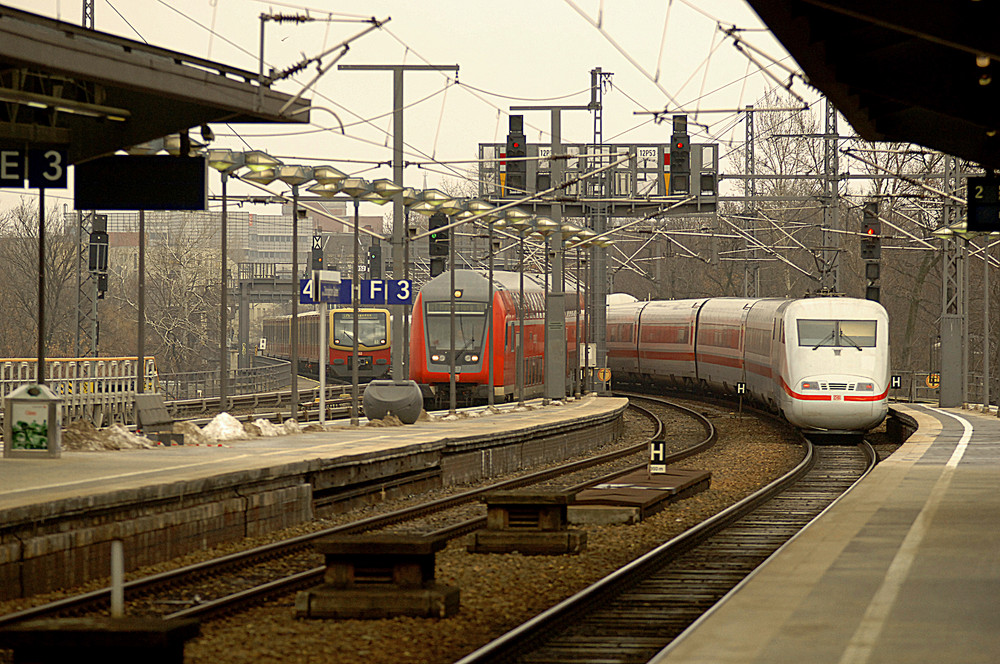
{"x": 105, "y": 478}
{"x": 339, "y": 443}
{"x": 860, "y": 648}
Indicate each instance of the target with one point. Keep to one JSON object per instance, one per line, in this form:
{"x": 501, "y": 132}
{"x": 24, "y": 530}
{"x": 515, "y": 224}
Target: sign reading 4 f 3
{"x": 373, "y": 291}
{"x": 44, "y": 168}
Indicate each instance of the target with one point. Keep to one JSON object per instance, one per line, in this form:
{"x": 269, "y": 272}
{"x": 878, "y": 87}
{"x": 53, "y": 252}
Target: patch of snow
{"x": 224, "y": 427}
{"x": 268, "y": 428}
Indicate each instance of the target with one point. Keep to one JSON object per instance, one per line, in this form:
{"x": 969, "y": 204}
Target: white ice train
{"x": 823, "y": 363}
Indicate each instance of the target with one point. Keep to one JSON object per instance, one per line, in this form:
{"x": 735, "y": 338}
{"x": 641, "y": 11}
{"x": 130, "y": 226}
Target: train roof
{"x": 474, "y": 284}
{"x": 339, "y": 308}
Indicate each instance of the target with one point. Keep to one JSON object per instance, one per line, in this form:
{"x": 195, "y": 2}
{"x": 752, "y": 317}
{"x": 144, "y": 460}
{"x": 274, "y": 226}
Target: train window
{"x": 856, "y": 333}
{"x": 372, "y": 328}
{"x": 859, "y": 333}
{"x": 470, "y": 325}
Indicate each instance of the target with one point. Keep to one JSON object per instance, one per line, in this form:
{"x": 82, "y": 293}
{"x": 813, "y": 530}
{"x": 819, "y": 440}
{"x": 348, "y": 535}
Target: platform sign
{"x": 983, "y": 202}
{"x": 44, "y": 169}
{"x": 896, "y": 382}
{"x": 330, "y": 292}
{"x": 741, "y": 388}
{"x": 657, "y": 456}
{"x": 373, "y": 292}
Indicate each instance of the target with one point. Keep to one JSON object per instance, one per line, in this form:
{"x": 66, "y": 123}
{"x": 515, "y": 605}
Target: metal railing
{"x": 100, "y": 389}
{"x": 202, "y": 384}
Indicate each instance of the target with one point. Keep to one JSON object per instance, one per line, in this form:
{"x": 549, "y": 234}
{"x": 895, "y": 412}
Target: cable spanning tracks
{"x": 633, "y": 613}
{"x": 222, "y": 585}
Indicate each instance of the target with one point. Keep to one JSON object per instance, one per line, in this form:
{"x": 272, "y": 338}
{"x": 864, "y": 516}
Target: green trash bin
{"x": 32, "y": 423}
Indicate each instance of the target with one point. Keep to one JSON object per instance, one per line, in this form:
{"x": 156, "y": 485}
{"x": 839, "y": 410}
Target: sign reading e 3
{"x": 43, "y": 168}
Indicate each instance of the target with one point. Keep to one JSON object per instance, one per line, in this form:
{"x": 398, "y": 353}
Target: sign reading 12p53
{"x": 43, "y": 168}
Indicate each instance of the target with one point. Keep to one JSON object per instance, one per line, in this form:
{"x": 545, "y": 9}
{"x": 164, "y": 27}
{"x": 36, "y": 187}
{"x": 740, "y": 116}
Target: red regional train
{"x": 430, "y": 337}
{"x": 822, "y": 363}
{"x": 373, "y": 342}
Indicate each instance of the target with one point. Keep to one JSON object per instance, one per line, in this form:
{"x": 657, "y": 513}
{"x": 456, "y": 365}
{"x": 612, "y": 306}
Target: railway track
{"x": 256, "y": 574}
{"x": 633, "y": 613}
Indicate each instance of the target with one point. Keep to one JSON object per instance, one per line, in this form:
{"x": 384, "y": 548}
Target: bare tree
{"x": 19, "y": 296}
{"x": 181, "y": 298}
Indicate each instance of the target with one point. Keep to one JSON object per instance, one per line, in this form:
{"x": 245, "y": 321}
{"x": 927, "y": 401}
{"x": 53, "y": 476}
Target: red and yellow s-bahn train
{"x": 374, "y": 342}
{"x": 430, "y": 336}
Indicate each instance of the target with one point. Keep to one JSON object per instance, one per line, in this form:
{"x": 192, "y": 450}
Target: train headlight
{"x": 865, "y": 387}
{"x": 810, "y": 385}
{"x": 437, "y": 358}
{"x": 472, "y": 358}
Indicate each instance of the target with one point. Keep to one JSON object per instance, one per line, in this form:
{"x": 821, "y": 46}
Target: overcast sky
{"x": 663, "y": 54}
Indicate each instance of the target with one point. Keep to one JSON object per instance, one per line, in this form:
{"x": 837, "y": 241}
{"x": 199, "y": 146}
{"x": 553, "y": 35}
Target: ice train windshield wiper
{"x": 823, "y": 340}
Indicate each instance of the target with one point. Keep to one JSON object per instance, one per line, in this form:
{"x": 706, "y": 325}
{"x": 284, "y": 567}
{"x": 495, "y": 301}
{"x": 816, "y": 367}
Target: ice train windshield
{"x": 850, "y": 333}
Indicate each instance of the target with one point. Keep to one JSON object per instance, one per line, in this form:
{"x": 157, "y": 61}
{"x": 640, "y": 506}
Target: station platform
{"x": 79, "y": 474}
{"x": 58, "y": 516}
{"x": 905, "y": 567}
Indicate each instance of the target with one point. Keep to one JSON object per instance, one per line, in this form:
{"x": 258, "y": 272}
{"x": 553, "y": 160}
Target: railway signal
{"x": 438, "y": 242}
{"x": 516, "y": 165}
{"x": 375, "y": 262}
{"x": 871, "y": 249}
{"x": 317, "y": 252}
{"x": 680, "y": 157}
{"x": 98, "y": 253}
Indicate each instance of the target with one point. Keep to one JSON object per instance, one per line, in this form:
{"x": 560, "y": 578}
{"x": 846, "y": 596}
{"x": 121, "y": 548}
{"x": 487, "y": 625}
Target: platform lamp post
{"x": 568, "y": 234}
{"x": 386, "y": 189}
{"x": 410, "y": 196}
{"x": 427, "y": 203}
{"x": 544, "y": 228}
{"x": 481, "y": 209}
{"x": 358, "y": 189}
{"x": 491, "y": 218}
{"x": 328, "y": 181}
{"x": 520, "y": 221}
{"x": 450, "y": 208}
{"x": 294, "y": 176}
{"x": 226, "y": 162}
{"x": 584, "y": 238}
{"x": 355, "y": 188}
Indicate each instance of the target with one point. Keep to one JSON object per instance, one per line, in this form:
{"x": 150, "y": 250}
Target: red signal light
{"x": 870, "y": 231}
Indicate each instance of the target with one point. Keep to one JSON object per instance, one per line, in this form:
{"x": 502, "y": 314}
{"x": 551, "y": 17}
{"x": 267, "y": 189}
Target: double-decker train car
{"x": 373, "y": 342}
{"x": 430, "y": 336}
{"x": 822, "y": 363}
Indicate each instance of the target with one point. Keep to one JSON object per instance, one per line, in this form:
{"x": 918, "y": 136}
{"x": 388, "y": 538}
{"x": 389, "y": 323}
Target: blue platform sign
{"x": 331, "y": 293}
{"x": 373, "y": 291}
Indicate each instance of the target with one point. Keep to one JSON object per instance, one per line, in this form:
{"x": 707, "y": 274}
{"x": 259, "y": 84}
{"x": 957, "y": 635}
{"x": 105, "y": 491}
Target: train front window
{"x": 470, "y": 326}
{"x": 837, "y": 333}
{"x": 371, "y": 328}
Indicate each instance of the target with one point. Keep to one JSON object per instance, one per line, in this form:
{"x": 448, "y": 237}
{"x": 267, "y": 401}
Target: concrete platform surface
{"x": 79, "y": 474}
{"x": 904, "y": 568}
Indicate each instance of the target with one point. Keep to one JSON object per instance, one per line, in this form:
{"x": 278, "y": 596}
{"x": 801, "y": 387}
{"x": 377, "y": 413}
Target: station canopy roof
{"x": 920, "y": 71}
{"x": 94, "y": 93}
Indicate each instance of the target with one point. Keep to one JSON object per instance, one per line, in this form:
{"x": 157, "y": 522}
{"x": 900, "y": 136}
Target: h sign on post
{"x": 657, "y": 456}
